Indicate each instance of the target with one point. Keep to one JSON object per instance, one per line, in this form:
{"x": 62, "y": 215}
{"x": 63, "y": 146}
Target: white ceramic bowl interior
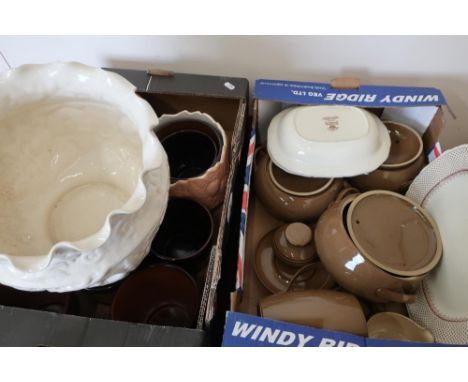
{"x": 79, "y": 162}
{"x": 327, "y": 141}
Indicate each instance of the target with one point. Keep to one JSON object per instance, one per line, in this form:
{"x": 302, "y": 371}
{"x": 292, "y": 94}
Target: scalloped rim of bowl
{"x": 186, "y": 115}
{"x": 153, "y": 156}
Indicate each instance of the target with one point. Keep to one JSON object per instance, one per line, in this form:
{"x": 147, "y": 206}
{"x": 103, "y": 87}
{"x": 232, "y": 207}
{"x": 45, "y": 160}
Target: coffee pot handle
{"x": 310, "y": 266}
{"x": 393, "y": 296}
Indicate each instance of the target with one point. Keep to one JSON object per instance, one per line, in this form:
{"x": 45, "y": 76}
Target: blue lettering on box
{"x": 364, "y": 96}
{"x": 244, "y": 330}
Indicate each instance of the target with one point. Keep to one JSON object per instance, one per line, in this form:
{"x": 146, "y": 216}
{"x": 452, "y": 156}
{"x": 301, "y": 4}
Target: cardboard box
{"x": 226, "y": 100}
{"x": 421, "y": 108}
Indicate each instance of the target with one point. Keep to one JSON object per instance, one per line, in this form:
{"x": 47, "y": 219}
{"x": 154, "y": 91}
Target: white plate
{"x": 327, "y": 141}
{"x": 442, "y": 302}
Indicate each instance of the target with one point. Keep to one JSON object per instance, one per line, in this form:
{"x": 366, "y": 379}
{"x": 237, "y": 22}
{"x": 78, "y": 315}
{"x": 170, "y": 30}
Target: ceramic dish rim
{"x": 423, "y": 270}
{"x": 307, "y": 169}
{"x": 419, "y": 196}
{"x": 413, "y": 158}
{"x": 208, "y": 120}
{"x": 327, "y": 184}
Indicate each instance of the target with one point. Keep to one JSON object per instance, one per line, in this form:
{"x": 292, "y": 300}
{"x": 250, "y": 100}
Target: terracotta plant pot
{"x": 199, "y": 155}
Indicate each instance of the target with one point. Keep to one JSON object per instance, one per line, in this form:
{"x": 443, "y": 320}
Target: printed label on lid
{"x": 331, "y": 123}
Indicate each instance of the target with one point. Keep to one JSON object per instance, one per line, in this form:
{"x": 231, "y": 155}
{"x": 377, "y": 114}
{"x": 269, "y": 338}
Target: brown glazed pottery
{"x": 294, "y": 244}
{"x": 287, "y": 254}
{"x": 185, "y": 235}
{"x": 159, "y": 295}
{"x": 394, "y": 233}
{"x": 46, "y": 301}
{"x": 405, "y": 161}
{"x": 323, "y": 309}
{"x": 198, "y": 153}
{"x": 350, "y": 268}
{"x": 394, "y": 326}
{"x": 291, "y": 197}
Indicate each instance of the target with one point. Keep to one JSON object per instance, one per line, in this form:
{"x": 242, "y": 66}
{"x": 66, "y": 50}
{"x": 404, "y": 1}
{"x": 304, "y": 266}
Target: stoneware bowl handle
{"x": 394, "y": 296}
{"x": 259, "y": 150}
{"x": 345, "y": 192}
{"x": 301, "y": 270}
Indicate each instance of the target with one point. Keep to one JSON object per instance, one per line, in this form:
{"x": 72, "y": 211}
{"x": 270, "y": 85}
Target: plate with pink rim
{"x": 442, "y": 303}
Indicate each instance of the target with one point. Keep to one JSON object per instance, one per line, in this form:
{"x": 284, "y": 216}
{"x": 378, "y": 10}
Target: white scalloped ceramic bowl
{"x": 84, "y": 180}
{"x": 327, "y": 141}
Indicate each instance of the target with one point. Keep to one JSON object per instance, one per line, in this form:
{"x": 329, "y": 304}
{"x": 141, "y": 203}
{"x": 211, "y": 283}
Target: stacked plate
{"x": 442, "y": 304}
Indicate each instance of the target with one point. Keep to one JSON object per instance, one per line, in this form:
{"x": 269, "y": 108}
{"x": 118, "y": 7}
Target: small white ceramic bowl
{"x": 327, "y": 141}
{"x": 84, "y": 180}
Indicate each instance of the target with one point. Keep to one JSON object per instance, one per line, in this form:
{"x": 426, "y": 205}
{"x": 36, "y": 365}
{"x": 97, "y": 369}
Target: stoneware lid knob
{"x": 298, "y": 234}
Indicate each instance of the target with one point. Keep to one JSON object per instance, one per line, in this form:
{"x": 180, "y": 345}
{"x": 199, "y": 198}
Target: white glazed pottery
{"x": 84, "y": 180}
{"x": 327, "y": 141}
{"x": 442, "y": 304}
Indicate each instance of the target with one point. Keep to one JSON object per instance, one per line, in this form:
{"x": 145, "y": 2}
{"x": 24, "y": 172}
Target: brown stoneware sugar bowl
{"x": 199, "y": 153}
{"x": 291, "y": 197}
{"x": 323, "y": 309}
{"x": 285, "y": 259}
{"x": 350, "y": 267}
{"x": 159, "y": 295}
{"x": 405, "y": 161}
{"x": 394, "y": 326}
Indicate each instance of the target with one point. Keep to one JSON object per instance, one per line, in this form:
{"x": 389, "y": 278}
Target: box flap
{"x": 183, "y": 83}
{"x": 364, "y": 96}
{"x": 244, "y": 330}
{"x": 23, "y": 327}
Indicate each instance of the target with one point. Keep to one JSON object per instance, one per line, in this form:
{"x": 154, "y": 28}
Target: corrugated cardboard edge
{"x": 24, "y": 327}
{"x": 211, "y": 285}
